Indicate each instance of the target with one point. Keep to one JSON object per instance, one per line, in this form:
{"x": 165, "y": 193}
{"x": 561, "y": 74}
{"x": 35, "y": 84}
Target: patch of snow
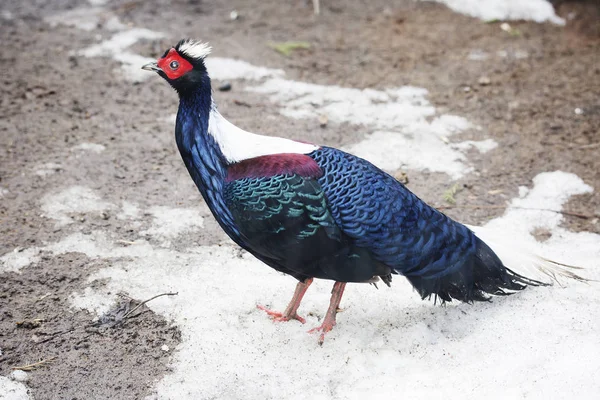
{"x": 477, "y": 55}
{"x": 74, "y": 200}
{"x": 404, "y": 136}
{"x": 99, "y": 245}
{"x": 128, "y": 211}
{"x": 87, "y": 19}
{"x": 131, "y": 66}
{"x": 382, "y": 333}
{"x": 116, "y": 48}
{"x": 550, "y": 191}
{"x": 171, "y": 222}
{"x": 515, "y": 54}
{"x": 93, "y": 147}
{"x": 47, "y": 169}
{"x": 84, "y": 18}
{"x": 18, "y": 258}
{"x": 536, "y": 209}
{"x": 119, "y": 42}
{"x": 227, "y": 68}
{"x": 388, "y": 109}
{"x": 11, "y": 390}
{"x": 96, "y": 302}
{"x": 483, "y": 146}
{"x": 114, "y": 24}
{"x": 503, "y": 10}
{"x": 7, "y": 15}
{"x": 393, "y": 150}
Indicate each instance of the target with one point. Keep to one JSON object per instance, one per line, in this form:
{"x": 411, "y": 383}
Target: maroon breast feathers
{"x": 276, "y": 164}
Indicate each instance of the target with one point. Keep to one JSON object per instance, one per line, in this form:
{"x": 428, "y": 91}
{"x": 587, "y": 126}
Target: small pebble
{"x": 323, "y": 120}
{"x": 164, "y": 347}
{"x": 225, "y": 87}
{"x": 19, "y": 376}
{"x": 578, "y": 111}
{"x": 484, "y": 81}
{"x": 234, "y": 15}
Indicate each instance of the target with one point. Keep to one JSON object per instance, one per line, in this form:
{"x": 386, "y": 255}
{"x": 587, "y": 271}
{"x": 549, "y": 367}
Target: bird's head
{"x": 183, "y": 66}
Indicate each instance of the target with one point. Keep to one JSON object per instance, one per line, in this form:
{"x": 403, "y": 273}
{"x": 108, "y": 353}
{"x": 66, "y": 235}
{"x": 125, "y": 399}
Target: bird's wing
{"x": 285, "y": 221}
{"x": 381, "y": 215}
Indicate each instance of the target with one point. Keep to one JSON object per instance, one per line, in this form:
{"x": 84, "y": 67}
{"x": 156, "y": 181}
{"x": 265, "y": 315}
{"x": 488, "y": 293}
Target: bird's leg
{"x": 292, "y": 308}
{"x": 334, "y": 303}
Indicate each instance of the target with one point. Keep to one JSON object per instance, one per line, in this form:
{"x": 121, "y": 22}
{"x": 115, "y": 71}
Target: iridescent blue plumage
{"x": 317, "y": 212}
{"x": 381, "y": 214}
{"x": 285, "y": 219}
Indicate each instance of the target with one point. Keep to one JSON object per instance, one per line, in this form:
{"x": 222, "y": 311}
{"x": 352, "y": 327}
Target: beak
{"x": 151, "y": 66}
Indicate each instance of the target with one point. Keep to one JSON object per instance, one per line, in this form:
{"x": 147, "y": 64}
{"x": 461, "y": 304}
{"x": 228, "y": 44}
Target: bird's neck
{"x": 200, "y": 151}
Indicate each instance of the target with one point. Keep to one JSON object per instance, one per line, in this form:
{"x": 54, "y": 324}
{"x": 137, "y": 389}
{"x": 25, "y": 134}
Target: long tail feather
{"x": 523, "y": 261}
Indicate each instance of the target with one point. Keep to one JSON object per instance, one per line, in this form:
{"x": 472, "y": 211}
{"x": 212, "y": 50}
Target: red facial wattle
{"x": 173, "y": 65}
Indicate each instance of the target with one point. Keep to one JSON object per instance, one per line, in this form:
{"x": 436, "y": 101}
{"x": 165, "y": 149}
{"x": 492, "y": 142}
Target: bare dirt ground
{"x": 52, "y": 101}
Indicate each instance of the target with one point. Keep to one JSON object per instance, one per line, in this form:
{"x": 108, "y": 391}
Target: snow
{"x": 17, "y": 259}
{"x": 11, "y": 390}
{"x": 228, "y": 345}
{"x": 531, "y": 211}
{"x": 489, "y": 10}
{"x": 483, "y": 146}
{"x": 47, "y": 169}
{"x": 116, "y": 48}
{"x": 402, "y": 118}
{"x": 74, "y": 200}
{"x": 226, "y": 68}
{"x": 91, "y": 147}
{"x": 129, "y": 211}
{"x": 84, "y": 18}
{"x": 171, "y": 222}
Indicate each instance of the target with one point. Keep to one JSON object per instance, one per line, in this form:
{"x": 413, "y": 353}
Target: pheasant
{"x": 313, "y": 211}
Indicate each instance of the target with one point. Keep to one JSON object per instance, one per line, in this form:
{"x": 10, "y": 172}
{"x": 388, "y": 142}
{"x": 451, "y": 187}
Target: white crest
{"x": 194, "y": 49}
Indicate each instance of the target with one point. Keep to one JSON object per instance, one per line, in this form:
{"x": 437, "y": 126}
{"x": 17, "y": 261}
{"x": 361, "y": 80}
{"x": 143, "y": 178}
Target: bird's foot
{"x": 281, "y": 317}
{"x": 325, "y": 327}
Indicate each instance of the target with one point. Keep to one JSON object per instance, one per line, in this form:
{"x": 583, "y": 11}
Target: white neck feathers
{"x": 237, "y": 144}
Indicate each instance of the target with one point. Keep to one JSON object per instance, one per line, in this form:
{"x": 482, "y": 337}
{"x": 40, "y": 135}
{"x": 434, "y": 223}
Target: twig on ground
{"x": 34, "y": 366}
{"x": 146, "y": 301}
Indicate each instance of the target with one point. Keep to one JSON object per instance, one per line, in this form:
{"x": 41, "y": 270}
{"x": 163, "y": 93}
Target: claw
{"x": 334, "y": 303}
{"x": 277, "y": 316}
{"x": 325, "y": 327}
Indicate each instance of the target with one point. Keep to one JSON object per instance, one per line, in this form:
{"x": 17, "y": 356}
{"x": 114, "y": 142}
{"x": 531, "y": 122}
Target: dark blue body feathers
{"x": 332, "y": 215}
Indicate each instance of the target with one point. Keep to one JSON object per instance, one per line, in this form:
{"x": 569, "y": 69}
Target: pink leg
{"x": 334, "y": 303}
{"x": 292, "y": 308}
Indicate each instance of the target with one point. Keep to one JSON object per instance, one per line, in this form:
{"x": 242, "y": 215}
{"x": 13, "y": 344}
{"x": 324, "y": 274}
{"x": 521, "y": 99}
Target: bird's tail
{"x": 497, "y": 267}
{"x": 481, "y": 275}
{"x": 524, "y": 261}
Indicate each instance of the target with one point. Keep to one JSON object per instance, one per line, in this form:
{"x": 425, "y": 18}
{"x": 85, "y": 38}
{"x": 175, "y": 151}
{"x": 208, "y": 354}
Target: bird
{"x": 317, "y": 212}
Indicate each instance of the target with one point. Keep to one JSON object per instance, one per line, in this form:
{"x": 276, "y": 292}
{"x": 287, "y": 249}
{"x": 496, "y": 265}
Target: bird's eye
{"x": 174, "y": 65}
